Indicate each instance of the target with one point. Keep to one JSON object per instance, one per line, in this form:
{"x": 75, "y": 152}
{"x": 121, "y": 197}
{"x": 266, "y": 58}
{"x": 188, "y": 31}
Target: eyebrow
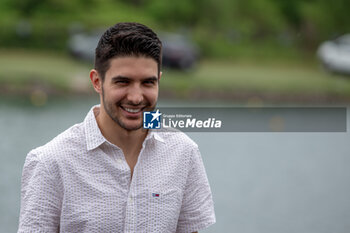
{"x": 124, "y": 78}
{"x": 120, "y": 78}
{"x": 153, "y": 78}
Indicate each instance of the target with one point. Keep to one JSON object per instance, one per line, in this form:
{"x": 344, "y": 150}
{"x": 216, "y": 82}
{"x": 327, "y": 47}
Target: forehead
{"x": 132, "y": 67}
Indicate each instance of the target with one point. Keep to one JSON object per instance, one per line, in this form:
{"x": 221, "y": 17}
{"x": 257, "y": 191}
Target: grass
{"x": 266, "y": 78}
{"x": 53, "y": 71}
{"x": 23, "y": 70}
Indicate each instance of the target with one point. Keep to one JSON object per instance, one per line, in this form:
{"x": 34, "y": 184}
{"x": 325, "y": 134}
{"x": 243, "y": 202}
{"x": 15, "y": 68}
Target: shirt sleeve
{"x": 197, "y": 211}
{"x": 40, "y": 198}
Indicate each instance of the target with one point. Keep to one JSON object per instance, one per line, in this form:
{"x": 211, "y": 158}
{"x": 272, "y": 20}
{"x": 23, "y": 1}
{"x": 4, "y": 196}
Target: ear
{"x": 96, "y": 80}
{"x": 160, "y": 75}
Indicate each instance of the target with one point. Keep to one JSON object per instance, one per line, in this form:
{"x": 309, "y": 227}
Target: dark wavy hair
{"x": 127, "y": 39}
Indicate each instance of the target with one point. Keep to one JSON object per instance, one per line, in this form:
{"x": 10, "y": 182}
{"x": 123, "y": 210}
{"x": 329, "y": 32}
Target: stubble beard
{"x": 108, "y": 107}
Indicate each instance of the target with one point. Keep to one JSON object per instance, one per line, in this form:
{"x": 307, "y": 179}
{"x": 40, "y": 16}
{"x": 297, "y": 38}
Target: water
{"x": 261, "y": 182}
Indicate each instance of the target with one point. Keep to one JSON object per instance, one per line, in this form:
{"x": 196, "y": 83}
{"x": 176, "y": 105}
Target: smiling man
{"x": 108, "y": 174}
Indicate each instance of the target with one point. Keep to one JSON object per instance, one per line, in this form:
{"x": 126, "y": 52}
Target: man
{"x": 107, "y": 174}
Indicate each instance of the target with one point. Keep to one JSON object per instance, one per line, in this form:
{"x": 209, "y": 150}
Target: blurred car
{"x": 335, "y": 55}
{"x": 82, "y": 45}
{"x": 178, "y": 51}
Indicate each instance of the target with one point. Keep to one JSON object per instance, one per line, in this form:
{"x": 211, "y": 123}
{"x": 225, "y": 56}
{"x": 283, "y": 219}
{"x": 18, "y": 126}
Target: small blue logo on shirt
{"x": 151, "y": 120}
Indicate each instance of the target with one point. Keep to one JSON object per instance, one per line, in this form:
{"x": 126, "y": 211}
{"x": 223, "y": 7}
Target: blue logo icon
{"x": 151, "y": 120}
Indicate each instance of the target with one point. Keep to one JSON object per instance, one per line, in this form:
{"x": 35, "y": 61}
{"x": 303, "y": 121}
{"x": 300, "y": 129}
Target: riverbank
{"x": 44, "y": 74}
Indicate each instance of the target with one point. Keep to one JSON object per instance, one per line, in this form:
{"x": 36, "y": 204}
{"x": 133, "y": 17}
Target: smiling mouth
{"x": 132, "y": 110}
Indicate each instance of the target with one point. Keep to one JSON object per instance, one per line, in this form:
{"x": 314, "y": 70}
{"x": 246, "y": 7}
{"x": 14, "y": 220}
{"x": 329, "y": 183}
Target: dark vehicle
{"x": 178, "y": 51}
{"x": 335, "y": 55}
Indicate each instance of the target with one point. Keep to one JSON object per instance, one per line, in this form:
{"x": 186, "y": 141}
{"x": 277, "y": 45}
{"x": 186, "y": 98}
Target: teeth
{"x": 132, "y": 110}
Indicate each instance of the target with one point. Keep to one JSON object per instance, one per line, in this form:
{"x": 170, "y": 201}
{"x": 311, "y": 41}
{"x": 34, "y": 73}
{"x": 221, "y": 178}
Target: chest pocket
{"x": 166, "y": 198}
{"x": 162, "y": 210}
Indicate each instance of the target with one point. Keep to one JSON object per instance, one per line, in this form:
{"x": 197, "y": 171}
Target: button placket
{"x": 130, "y": 220}
{"x": 131, "y": 201}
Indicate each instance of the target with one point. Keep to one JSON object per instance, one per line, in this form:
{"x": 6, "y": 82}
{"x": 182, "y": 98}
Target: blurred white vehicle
{"x": 335, "y": 55}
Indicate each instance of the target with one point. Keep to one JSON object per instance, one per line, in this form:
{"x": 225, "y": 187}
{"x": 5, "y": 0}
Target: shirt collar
{"x": 94, "y": 137}
{"x": 154, "y": 134}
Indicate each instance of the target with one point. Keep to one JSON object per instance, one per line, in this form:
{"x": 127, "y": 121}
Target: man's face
{"x": 129, "y": 88}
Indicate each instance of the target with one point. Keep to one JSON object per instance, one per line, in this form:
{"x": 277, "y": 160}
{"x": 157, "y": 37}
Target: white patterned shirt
{"x": 80, "y": 182}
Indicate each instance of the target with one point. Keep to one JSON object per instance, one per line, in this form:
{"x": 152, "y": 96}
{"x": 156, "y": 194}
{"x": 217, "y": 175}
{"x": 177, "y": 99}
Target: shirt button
{"x": 130, "y": 200}
{"x": 119, "y": 161}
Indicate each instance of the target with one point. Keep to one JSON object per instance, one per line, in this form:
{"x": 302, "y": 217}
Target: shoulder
{"x": 66, "y": 142}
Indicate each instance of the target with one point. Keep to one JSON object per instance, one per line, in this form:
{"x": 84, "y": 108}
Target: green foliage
{"x": 175, "y": 13}
{"x": 260, "y": 17}
{"x": 214, "y": 24}
{"x": 328, "y": 19}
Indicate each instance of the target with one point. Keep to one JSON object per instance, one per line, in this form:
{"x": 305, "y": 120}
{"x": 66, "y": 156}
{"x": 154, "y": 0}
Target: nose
{"x": 135, "y": 95}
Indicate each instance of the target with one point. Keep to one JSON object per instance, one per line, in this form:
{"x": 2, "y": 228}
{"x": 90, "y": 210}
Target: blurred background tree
{"x": 271, "y": 38}
{"x": 215, "y": 25}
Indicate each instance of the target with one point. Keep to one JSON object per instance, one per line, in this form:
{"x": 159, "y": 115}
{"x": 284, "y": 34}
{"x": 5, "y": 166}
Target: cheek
{"x": 113, "y": 94}
{"x": 152, "y": 95}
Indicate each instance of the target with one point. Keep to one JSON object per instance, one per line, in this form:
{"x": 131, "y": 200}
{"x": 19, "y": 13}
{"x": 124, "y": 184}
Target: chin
{"x": 130, "y": 127}
{"x": 133, "y": 128}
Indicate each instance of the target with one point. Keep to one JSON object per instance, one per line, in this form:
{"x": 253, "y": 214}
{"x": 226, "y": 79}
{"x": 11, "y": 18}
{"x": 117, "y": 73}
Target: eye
{"x": 149, "y": 82}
